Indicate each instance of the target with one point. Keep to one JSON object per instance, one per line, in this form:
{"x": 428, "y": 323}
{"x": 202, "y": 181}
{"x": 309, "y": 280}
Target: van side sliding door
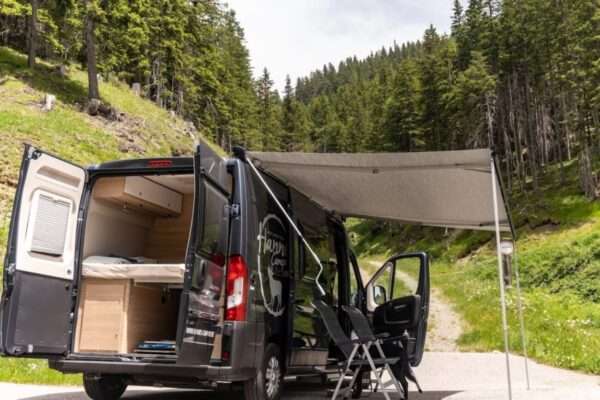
{"x": 201, "y": 310}
{"x": 39, "y": 267}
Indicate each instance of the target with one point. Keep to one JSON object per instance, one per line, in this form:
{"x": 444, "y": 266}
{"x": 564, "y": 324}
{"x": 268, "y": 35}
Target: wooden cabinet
{"x": 115, "y": 315}
{"x": 139, "y": 194}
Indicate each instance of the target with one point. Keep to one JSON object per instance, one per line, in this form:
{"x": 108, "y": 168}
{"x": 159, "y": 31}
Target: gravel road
{"x": 444, "y": 376}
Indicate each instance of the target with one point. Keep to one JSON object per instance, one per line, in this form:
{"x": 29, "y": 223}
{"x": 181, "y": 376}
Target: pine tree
{"x": 457, "y": 18}
{"x": 402, "y": 118}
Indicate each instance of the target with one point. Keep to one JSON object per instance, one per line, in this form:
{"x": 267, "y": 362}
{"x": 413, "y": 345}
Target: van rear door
{"x": 41, "y": 257}
{"x": 201, "y": 310}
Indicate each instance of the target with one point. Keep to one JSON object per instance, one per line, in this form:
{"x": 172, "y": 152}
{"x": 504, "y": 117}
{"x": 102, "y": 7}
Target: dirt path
{"x": 445, "y": 325}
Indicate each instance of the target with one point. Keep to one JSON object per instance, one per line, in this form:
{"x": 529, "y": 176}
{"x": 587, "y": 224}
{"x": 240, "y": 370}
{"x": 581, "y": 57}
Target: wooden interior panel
{"x": 101, "y": 315}
{"x": 111, "y": 231}
{"x": 168, "y": 238}
{"x": 151, "y": 315}
{"x": 115, "y": 315}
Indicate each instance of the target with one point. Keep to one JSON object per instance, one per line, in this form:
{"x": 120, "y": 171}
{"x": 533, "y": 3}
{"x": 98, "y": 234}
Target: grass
{"x": 70, "y": 133}
{"x": 558, "y": 252}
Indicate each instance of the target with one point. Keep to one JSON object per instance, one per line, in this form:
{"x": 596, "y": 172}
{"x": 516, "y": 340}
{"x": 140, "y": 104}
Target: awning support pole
{"x": 521, "y": 317}
{"x": 291, "y": 221}
{"x": 501, "y": 276}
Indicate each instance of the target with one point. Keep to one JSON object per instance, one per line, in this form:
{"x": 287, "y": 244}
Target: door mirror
{"x": 379, "y": 294}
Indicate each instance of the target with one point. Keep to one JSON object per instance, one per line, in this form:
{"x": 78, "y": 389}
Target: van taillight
{"x": 237, "y": 289}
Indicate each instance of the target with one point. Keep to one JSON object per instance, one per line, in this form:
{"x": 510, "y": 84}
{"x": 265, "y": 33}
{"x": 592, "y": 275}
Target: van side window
{"x": 213, "y": 242}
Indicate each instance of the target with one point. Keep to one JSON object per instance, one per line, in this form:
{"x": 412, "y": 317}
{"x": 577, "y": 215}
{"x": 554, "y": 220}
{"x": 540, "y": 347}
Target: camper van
{"x": 185, "y": 272}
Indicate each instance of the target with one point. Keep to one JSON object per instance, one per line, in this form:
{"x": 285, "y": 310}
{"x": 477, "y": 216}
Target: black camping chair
{"x": 362, "y": 329}
{"x": 357, "y": 354}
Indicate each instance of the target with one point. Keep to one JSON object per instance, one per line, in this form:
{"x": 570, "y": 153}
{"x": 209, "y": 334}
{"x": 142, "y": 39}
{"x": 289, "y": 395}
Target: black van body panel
{"x": 54, "y": 337}
{"x": 166, "y": 370}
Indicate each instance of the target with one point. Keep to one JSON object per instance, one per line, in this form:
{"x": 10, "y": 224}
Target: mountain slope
{"x": 142, "y": 129}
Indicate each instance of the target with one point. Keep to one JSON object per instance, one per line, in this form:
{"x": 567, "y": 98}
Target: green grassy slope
{"x": 144, "y": 130}
{"x": 559, "y": 260}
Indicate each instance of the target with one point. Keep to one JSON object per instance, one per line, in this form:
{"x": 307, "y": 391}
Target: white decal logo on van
{"x": 272, "y": 259}
{"x": 199, "y": 332}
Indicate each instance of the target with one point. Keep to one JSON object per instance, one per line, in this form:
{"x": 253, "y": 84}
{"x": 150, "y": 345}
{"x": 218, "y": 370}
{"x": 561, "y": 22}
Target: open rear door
{"x": 40, "y": 259}
{"x": 201, "y": 310}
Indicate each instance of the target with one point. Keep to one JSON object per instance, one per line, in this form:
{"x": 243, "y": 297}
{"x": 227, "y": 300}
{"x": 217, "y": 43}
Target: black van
{"x": 184, "y": 272}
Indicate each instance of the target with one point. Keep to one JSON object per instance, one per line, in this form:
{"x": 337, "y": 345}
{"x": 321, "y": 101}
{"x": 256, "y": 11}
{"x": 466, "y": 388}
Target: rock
{"x": 108, "y": 112}
{"x": 61, "y": 70}
{"x": 130, "y": 148}
{"x": 136, "y": 87}
{"x": 49, "y": 101}
{"x": 93, "y": 106}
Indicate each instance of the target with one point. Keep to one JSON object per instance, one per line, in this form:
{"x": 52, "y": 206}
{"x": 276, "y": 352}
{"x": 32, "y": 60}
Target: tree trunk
{"x": 586, "y": 175}
{"x": 90, "y": 43}
{"x": 32, "y": 34}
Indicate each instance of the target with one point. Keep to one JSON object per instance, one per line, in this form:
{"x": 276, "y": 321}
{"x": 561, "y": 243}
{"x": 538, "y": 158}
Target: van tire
{"x": 104, "y": 387}
{"x": 268, "y": 383}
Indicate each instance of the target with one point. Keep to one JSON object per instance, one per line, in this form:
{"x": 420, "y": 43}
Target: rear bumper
{"x": 201, "y": 374}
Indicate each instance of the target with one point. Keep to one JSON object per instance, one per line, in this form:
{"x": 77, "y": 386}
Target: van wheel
{"x": 104, "y": 387}
{"x": 268, "y": 383}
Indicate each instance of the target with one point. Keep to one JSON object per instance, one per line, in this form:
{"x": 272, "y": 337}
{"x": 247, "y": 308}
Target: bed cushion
{"x": 149, "y": 273}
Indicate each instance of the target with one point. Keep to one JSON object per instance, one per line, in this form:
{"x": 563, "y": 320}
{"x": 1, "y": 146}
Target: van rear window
{"x": 214, "y": 240}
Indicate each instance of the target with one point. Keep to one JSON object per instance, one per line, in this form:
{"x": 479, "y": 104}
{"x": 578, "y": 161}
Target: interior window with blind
{"x": 50, "y": 218}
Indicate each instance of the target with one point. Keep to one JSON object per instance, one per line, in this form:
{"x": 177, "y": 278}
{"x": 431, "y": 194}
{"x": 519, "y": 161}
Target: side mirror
{"x": 379, "y": 294}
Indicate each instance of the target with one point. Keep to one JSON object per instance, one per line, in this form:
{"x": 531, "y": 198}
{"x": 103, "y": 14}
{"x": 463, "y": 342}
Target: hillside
{"x": 142, "y": 129}
{"x": 558, "y": 254}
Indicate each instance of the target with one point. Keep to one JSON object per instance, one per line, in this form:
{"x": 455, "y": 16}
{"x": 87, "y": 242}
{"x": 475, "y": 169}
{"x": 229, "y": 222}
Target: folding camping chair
{"x": 363, "y": 330}
{"x": 357, "y": 354}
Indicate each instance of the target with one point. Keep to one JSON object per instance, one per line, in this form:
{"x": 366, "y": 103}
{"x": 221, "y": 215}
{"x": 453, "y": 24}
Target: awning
{"x": 447, "y": 189}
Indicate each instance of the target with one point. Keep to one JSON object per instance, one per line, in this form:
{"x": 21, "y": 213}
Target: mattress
{"x": 148, "y": 273}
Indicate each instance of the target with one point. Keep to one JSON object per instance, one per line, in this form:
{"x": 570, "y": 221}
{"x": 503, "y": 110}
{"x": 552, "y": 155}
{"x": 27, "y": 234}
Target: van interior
{"x": 133, "y": 264}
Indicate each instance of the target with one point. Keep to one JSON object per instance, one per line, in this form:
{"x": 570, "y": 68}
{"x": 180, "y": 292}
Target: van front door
{"x": 40, "y": 262}
{"x": 202, "y": 304}
{"x": 398, "y": 300}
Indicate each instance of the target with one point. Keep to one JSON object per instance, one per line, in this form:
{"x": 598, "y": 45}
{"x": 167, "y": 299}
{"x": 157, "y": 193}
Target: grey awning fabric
{"x": 447, "y": 189}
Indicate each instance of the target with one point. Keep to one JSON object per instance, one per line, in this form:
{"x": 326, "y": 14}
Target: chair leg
{"x": 389, "y": 371}
{"x": 343, "y": 374}
{"x": 374, "y": 369}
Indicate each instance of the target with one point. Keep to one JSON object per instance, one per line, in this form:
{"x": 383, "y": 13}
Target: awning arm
{"x": 291, "y": 221}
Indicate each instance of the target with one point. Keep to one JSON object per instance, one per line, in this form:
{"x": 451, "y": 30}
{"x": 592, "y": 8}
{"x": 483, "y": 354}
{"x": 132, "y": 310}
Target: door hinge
{"x": 33, "y": 153}
{"x": 234, "y": 210}
{"x": 11, "y": 269}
